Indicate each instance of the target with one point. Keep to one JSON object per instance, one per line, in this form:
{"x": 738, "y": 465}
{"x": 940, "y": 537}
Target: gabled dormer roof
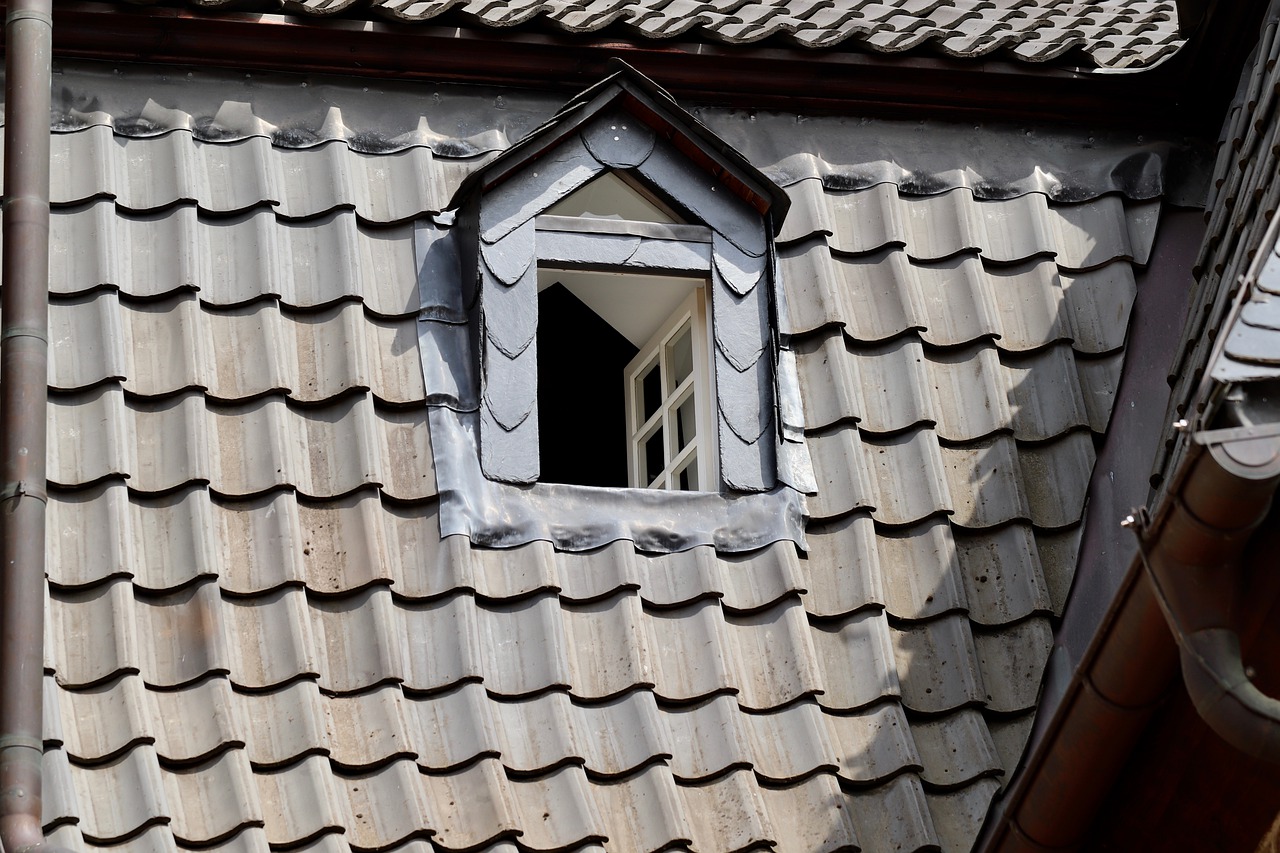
{"x": 629, "y": 91}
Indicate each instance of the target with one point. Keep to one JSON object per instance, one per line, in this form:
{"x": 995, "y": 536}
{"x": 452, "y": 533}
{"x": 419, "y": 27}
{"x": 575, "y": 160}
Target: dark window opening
{"x": 582, "y": 418}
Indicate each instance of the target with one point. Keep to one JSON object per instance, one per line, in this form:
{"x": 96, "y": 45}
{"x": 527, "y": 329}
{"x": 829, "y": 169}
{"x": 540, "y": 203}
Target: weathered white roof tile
{"x": 257, "y": 636}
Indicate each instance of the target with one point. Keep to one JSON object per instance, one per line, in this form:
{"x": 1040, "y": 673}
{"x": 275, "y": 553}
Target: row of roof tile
{"x": 307, "y": 806}
{"x": 233, "y": 261}
{"x": 966, "y": 394}
{"x": 251, "y": 448}
{"x": 906, "y": 478}
{"x": 933, "y": 227}
{"x": 595, "y": 651}
{"x": 239, "y": 449}
{"x": 1023, "y": 306}
{"x": 1116, "y": 34}
{"x": 609, "y": 740}
{"x": 997, "y": 577}
{"x": 233, "y": 177}
{"x": 340, "y": 545}
{"x": 158, "y": 348}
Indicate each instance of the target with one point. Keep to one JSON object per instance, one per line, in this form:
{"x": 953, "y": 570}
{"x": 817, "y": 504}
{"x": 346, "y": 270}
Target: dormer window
{"x": 610, "y": 337}
{"x": 624, "y": 370}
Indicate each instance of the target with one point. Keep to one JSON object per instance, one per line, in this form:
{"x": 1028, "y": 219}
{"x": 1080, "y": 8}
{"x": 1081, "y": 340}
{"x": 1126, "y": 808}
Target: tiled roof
{"x": 1233, "y": 314}
{"x": 257, "y": 637}
{"x": 1102, "y": 33}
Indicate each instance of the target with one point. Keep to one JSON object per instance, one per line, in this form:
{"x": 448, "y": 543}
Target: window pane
{"x": 679, "y": 358}
{"x": 687, "y": 479}
{"x": 649, "y": 393}
{"x": 686, "y": 423}
{"x": 654, "y": 457}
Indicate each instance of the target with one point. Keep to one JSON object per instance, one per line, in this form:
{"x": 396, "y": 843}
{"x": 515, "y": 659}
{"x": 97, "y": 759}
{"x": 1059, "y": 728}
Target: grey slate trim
{"x": 738, "y": 321}
{"x": 439, "y": 274}
{"x": 510, "y": 248}
{"x": 579, "y": 518}
{"x": 695, "y": 190}
{"x": 616, "y": 252}
{"x": 492, "y": 455}
{"x": 652, "y": 230}
{"x": 1250, "y": 351}
{"x": 575, "y": 518}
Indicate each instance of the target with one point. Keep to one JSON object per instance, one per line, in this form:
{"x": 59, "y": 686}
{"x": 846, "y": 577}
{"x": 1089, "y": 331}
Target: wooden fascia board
{"x": 819, "y": 81}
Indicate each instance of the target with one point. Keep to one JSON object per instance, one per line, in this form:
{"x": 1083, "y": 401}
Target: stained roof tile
{"x": 1002, "y": 571}
{"x": 1007, "y": 660}
{"x": 117, "y": 799}
{"x": 903, "y": 493}
{"x": 235, "y": 176}
{"x": 843, "y": 569}
{"x": 958, "y": 815}
{"x": 856, "y": 659}
{"x": 955, "y": 750}
{"x": 919, "y": 566}
{"x": 938, "y": 655}
{"x": 212, "y": 801}
{"x": 893, "y": 816}
{"x": 301, "y": 801}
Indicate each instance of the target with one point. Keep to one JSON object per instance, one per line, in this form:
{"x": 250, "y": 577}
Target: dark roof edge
{"x": 1161, "y": 98}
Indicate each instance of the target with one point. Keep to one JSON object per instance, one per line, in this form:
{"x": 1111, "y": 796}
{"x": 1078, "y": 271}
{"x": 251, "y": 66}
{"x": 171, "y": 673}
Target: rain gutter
{"x": 1194, "y": 565}
{"x": 23, "y": 409}
{"x": 1176, "y": 609}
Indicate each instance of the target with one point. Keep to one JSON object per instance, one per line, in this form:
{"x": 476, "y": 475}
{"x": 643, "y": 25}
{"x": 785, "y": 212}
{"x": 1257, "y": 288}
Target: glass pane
{"x": 679, "y": 358}
{"x": 686, "y": 423}
{"x": 687, "y": 479}
{"x": 649, "y": 393}
{"x": 654, "y": 457}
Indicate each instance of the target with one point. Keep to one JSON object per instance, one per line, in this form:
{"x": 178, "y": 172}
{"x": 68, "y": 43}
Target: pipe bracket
{"x": 28, "y": 14}
{"x": 22, "y": 489}
{"x": 25, "y": 332}
{"x": 21, "y": 742}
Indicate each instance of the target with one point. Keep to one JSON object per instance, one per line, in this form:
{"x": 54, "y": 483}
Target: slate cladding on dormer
{"x": 478, "y": 265}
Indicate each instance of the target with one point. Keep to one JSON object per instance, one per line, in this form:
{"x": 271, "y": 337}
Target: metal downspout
{"x": 1194, "y": 560}
{"x": 23, "y": 404}
{"x": 1188, "y": 592}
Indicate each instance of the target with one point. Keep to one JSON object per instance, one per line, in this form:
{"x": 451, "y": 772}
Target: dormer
{"x": 619, "y": 288}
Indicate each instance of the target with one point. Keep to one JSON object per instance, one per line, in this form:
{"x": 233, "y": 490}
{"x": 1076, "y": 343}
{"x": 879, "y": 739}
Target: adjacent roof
{"x": 1232, "y": 321}
{"x": 1112, "y": 34}
{"x": 258, "y": 638}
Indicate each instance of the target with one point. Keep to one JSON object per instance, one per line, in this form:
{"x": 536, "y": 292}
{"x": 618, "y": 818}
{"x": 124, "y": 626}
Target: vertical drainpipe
{"x": 23, "y": 406}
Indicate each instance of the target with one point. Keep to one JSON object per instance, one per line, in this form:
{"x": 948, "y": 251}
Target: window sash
{"x": 697, "y": 385}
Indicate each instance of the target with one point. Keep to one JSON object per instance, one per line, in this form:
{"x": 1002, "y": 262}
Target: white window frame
{"x": 697, "y": 384}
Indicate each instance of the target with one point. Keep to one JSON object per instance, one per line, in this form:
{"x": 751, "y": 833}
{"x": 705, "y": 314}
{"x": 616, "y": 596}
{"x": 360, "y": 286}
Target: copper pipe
{"x": 1194, "y": 560}
{"x": 23, "y": 405}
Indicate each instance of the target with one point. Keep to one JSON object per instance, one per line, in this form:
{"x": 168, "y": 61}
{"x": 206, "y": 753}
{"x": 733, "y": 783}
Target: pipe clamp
{"x": 25, "y": 332}
{"x": 28, "y": 14}
{"x": 21, "y": 742}
{"x": 22, "y": 489}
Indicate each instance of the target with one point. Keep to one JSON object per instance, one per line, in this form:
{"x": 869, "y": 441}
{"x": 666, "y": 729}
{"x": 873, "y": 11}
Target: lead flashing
{"x": 580, "y": 518}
